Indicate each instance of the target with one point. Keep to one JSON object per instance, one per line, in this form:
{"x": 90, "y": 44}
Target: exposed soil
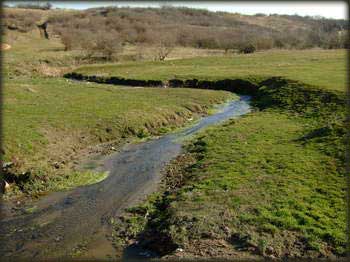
{"x": 211, "y": 248}
{"x": 239, "y": 86}
{"x": 5, "y": 46}
{"x": 155, "y": 243}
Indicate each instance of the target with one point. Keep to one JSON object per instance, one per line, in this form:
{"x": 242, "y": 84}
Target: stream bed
{"x": 64, "y": 223}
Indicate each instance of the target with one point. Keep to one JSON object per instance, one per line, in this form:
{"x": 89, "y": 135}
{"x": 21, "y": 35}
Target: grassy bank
{"x": 269, "y": 184}
{"x": 50, "y": 122}
{"x": 323, "y": 68}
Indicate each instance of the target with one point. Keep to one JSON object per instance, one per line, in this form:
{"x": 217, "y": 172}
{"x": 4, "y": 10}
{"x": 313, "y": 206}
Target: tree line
{"x": 104, "y": 31}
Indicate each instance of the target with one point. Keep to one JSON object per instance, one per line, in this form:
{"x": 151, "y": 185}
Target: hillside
{"x": 182, "y": 27}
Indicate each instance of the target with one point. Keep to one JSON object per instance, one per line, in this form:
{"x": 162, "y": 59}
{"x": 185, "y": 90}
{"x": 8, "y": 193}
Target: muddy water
{"x": 77, "y": 221}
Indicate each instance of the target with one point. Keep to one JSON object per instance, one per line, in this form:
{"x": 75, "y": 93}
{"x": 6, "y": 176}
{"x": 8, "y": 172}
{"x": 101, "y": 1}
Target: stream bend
{"x": 64, "y": 220}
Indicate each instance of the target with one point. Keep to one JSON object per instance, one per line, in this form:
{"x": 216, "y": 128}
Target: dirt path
{"x": 5, "y": 46}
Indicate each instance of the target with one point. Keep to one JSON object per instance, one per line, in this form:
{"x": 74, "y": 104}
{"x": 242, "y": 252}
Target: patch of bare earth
{"x": 210, "y": 248}
{"x": 5, "y": 46}
{"x": 70, "y": 149}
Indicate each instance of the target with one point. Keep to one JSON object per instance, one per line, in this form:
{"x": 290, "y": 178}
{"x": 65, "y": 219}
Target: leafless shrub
{"x": 164, "y": 44}
{"x": 67, "y": 38}
{"x": 197, "y": 28}
{"x": 336, "y": 40}
{"x": 23, "y": 21}
{"x": 47, "y": 70}
{"x": 264, "y": 43}
{"x": 102, "y": 46}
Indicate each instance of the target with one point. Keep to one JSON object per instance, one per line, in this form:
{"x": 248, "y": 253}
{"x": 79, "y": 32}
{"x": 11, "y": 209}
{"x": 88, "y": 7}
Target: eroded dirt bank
{"x": 240, "y": 86}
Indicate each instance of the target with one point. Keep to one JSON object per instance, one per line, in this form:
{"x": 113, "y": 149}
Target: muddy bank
{"x": 239, "y": 86}
{"x": 154, "y": 240}
{"x": 265, "y": 91}
{"x": 64, "y": 224}
{"x": 114, "y": 80}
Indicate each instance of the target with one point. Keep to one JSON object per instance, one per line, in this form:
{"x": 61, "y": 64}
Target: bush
{"x": 247, "y": 49}
{"x": 108, "y": 45}
{"x": 67, "y": 40}
{"x": 164, "y": 43}
{"x": 264, "y": 43}
{"x": 102, "y": 45}
{"x": 21, "y": 21}
{"x": 72, "y": 38}
{"x": 99, "y": 45}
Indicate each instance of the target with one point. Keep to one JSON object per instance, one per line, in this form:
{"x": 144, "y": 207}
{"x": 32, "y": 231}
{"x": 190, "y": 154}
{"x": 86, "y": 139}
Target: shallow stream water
{"x": 76, "y": 221}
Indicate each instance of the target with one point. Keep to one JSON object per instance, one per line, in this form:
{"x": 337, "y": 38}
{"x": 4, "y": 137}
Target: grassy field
{"x": 323, "y": 68}
{"x": 48, "y": 120}
{"x": 266, "y": 189}
{"x": 269, "y": 184}
{"x": 51, "y": 59}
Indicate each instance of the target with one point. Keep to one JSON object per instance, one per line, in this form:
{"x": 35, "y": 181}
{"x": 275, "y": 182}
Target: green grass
{"x": 256, "y": 185}
{"x": 323, "y": 68}
{"x": 48, "y": 121}
{"x": 31, "y": 56}
{"x": 258, "y": 179}
{"x": 34, "y": 104}
{"x": 272, "y": 180}
{"x": 57, "y": 183}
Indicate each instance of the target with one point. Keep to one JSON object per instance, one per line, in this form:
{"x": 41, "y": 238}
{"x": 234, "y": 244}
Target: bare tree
{"x": 164, "y": 44}
{"x": 67, "y": 38}
{"x": 109, "y": 46}
{"x": 102, "y": 45}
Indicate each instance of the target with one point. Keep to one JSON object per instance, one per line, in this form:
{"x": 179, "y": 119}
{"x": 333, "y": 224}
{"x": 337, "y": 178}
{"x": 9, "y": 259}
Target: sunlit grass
{"x": 322, "y": 68}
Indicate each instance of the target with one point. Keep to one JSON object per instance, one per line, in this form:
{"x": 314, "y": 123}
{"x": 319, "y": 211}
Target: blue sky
{"x": 331, "y": 9}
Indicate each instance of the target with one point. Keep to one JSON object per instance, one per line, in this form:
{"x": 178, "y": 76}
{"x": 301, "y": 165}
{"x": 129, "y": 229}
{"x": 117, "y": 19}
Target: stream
{"x": 66, "y": 222}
